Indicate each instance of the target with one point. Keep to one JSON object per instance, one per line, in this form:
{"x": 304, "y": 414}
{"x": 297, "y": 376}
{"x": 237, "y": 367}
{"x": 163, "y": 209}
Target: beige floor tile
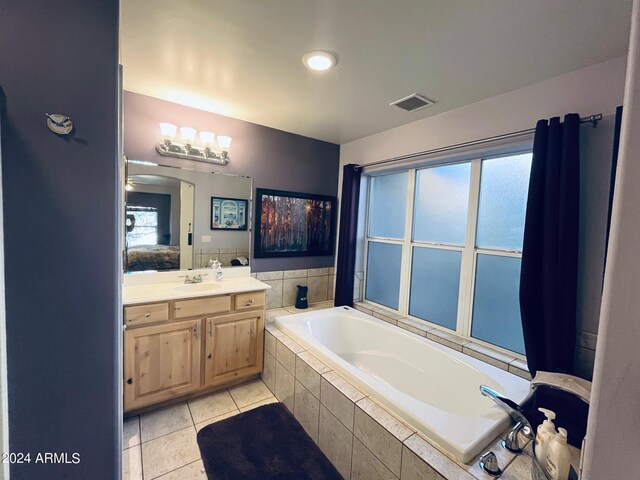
{"x": 169, "y": 452}
{"x": 249, "y": 393}
{"x": 165, "y": 420}
{"x": 266, "y": 401}
{"x": 131, "y": 432}
{"x": 193, "y": 471}
{"x": 132, "y": 464}
{"x": 232, "y": 413}
{"x": 336, "y": 441}
{"x": 210, "y": 406}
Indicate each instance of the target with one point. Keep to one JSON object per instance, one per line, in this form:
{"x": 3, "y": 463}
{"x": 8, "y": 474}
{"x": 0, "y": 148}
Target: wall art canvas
{"x": 290, "y": 224}
{"x": 228, "y": 213}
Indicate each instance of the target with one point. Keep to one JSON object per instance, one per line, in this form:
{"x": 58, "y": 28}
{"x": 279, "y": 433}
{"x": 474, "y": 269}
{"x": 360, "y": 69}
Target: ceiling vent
{"x": 413, "y": 102}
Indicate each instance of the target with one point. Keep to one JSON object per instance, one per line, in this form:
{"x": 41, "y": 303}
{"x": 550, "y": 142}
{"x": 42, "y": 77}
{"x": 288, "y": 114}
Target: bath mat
{"x": 263, "y": 443}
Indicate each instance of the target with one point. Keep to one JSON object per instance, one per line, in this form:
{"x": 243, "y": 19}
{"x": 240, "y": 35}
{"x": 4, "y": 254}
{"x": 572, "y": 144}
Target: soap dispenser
{"x": 219, "y": 271}
{"x": 558, "y": 459}
{"x": 545, "y": 433}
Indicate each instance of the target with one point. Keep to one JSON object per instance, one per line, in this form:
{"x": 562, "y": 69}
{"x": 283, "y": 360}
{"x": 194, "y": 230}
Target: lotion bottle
{"x": 544, "y": 435}
{"x": 558, "y": 458}
{"x": 219, "y": 272}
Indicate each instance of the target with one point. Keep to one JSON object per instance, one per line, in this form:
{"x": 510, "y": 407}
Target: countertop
{"x": 162, "y": 292}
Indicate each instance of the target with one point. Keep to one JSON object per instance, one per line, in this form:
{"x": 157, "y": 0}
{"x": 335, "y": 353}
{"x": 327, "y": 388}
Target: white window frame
{"x": 469, "y": 251}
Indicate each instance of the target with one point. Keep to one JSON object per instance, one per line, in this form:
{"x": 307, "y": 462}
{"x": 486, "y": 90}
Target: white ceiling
{"x": 242, "y": 58}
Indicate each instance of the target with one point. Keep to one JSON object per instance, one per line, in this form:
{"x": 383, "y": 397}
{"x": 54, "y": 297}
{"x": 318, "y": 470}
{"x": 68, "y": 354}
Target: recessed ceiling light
{"x": 319, "y": 60}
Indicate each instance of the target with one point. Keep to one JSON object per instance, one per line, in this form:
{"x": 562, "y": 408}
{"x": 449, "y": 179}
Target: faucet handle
{"x": 512, "y": 440}
{"x": 489, "y": 464}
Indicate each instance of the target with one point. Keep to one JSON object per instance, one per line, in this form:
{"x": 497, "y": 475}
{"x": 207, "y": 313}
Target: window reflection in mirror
{"x": 168, "y": 219}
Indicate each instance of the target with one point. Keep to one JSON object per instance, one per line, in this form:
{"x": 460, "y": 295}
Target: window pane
{"x": 441, "y": 204}
{"x": 383, "y": 273}
{"x": 435, "y": 279}
{"x": 496, "y": 304}
{"x": 503, "y": 202}
{"x": 145, "y": 230}
{"x": 387, "y": 205}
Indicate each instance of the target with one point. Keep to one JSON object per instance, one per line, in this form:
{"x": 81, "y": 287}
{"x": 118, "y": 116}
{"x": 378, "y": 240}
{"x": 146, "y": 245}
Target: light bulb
{"x": 168, "y": 131}
{"x": 188, "y": 134}
{"x": 207, "y": 139}
{"x": 319, "y": 60}
{"x": 224, "y": 142}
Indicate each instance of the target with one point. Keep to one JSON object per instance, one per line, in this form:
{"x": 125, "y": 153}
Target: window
{"x": 444, "y": 245}
{"x": 145, "y": 226}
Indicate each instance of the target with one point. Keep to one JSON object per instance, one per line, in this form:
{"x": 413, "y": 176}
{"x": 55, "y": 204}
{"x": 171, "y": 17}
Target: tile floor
{"x": 162, "y": 443}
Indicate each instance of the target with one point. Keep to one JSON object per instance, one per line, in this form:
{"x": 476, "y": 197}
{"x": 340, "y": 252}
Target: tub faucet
{"x": 522, "y": 426}
{"x": 197, "y": 278}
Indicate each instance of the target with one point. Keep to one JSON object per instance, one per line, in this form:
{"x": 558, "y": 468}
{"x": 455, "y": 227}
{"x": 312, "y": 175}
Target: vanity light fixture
{"x": 213, "y": 149}
{"x": 319, "y": 60}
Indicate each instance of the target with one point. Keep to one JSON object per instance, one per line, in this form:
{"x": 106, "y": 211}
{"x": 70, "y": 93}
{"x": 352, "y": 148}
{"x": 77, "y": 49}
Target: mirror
{"x": 181, "y": 219}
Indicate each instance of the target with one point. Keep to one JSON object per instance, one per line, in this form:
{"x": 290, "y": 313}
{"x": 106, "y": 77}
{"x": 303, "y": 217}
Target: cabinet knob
{"x": 130, "y": 381}
{"x": 209, "y": 356}
{"x": 147, "y": 315}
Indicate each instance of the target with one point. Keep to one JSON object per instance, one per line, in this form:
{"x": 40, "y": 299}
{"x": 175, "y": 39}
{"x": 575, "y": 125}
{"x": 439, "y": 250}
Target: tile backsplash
{"x": 224, "y": 255}
{"x": 321, "y": 283}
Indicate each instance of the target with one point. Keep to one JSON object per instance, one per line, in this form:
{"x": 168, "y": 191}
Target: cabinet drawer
{"x": 145, "y": 314}
{"x": 245, "y": 301}
{"x": 202, "y": 306}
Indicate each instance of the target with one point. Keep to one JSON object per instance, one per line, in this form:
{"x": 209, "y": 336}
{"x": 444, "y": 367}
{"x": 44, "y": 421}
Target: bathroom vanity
{"x": 183, "y": 339}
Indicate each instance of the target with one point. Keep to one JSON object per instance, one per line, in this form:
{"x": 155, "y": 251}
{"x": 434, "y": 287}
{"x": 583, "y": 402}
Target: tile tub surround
{"x": 162, "y": 444}
{"x": 321, "y": 283}
{"x": 361, "y": 438}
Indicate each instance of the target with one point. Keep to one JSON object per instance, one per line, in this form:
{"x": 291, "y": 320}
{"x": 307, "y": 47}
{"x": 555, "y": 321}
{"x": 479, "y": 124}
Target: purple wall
{"x": 60, "y": 218}
{"x": 273, "y": 158}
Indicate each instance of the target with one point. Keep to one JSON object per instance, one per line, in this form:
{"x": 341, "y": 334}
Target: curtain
{"x": 548, "y": 279}
{"x": 347, "y": 235}
{"x": 612, "y": 180}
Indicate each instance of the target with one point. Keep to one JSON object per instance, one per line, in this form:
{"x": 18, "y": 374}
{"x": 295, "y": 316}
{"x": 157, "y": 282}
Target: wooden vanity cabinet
{"x": 161, "y": 362}
{"x": 233, "y": 347}
{"x": 183, "y": 346}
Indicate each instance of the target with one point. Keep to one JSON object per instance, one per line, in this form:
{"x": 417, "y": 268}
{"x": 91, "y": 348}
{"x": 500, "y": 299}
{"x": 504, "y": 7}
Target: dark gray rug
{"x": 264, "y": 443}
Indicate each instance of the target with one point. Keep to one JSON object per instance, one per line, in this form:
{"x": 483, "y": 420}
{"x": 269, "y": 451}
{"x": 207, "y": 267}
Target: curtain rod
{"x": 592, "y": 119}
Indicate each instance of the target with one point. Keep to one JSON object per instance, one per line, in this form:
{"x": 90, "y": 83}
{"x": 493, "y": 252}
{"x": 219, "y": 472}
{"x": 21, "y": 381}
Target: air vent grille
{"x": 413, "y": 102}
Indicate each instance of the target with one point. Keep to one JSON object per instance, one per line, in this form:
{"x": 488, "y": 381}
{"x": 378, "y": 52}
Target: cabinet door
{"x": 161, "y": 362}
{"x": 233, "y": 346}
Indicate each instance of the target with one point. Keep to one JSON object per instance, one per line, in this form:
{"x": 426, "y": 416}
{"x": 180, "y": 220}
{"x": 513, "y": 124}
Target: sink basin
{"x": 197, "y": 287}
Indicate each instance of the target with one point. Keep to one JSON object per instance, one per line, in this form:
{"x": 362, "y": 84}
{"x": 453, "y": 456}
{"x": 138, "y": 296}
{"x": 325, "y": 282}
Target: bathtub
{"x": 430, "y": 386}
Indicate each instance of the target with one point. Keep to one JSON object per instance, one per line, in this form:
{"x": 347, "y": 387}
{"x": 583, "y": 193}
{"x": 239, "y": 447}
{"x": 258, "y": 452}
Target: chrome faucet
{"x": 197, "y": 278}
{"x": 512, "y": 441}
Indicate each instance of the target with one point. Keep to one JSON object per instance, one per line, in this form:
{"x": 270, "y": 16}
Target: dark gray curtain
{"x": 347, "y": 235}
{"x": 548, "y": 279}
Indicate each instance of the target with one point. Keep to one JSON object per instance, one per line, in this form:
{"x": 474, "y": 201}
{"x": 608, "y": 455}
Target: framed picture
{"x": 290, "y": 224}
{"x": 228, "y": 213}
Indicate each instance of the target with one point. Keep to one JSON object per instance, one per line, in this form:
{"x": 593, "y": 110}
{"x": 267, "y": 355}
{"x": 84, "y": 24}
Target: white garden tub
{"x": 432, "y": 387}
